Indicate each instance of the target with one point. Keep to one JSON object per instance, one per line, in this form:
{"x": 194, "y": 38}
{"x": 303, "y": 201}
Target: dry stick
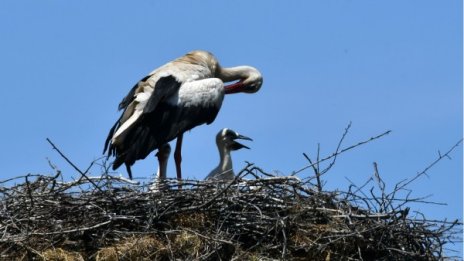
{"x": 318, "y": 157}
{"x": 381, "y": 185}
{"x": 316, "y": 167}
{"x": 356, "y": 186}
{"x": 415, "y": 200}
{"x": 204, "y": 236}
{"x": 338, "y": 148}
{"x": 316, "y": 172}
{"x": 77, "y": 169}
{"x": 399, "y": 187}
{"x": 31, "y": 208}
{"x": 342, "y": 151}
{"x": 82, "y": 229}
{"x": 209, "y": 202}
{"x": 365, "y": 199}
{"x": 29, "y": 192}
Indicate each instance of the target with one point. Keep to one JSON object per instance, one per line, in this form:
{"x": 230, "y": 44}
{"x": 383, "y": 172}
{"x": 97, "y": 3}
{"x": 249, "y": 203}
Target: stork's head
{"x": 227, "y": 138}
{"x": 250, "y": 79}
{"x": 252, "y": 83}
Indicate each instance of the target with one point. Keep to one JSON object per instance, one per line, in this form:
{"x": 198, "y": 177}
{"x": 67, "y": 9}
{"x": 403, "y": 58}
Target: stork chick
{"x": 226, "y": 142}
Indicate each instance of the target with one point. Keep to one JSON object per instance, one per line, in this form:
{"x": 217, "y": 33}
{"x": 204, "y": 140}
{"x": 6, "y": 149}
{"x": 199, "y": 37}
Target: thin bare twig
{"x": 83, "y": 174}
{"x": 337, "y": 149}
{"x": 405, "y": 183}
{"x": 343, "y": 150}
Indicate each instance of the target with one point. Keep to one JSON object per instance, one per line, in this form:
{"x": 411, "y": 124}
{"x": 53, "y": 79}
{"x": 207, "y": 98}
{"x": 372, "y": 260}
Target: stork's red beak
{"x": 234, "y": 87}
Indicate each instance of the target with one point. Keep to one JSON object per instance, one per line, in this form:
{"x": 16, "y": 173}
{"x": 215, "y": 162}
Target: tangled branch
{"x": 255, "y": 215}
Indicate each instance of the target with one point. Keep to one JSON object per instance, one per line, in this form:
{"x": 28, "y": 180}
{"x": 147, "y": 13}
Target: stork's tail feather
{"x": 129, "y": 171}
{"x": 137, "y": 144}
{"x": 118, "y": 162}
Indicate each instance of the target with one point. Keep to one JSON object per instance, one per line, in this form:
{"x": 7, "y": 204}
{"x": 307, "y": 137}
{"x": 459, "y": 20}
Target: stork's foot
{"x": 159, "y": 185}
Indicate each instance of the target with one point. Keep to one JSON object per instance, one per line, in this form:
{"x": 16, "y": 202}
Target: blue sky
{"x": 383, "y": 65}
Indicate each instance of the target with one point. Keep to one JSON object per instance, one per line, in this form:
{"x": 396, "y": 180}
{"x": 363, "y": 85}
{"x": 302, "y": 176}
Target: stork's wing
{"x": 165, "y": 87}
{"x": 131, "y": 95}
{"x": 137, "y": 103}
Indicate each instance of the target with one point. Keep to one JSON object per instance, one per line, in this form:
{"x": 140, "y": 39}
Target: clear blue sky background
{"x": 65, "y": 65}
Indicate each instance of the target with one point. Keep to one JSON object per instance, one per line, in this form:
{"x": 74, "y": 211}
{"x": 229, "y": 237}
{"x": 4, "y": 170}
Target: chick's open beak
{"x": 236, "y": 145}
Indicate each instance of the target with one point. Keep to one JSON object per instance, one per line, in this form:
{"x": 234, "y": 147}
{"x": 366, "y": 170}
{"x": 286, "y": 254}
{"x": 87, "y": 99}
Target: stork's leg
{"x": 160, "y": 175}
{"x": 178, "y": 156}
{"x": 160, "y": 180}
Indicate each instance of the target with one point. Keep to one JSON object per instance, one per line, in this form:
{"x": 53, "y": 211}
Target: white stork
{"x": 226, "y": 142}
{"x": 171, "y": 100}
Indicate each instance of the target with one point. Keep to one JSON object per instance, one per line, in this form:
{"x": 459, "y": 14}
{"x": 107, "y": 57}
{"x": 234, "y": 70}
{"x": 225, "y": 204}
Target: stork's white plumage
{"x": 172, "y": 99}
{"x": 226, "y": 142}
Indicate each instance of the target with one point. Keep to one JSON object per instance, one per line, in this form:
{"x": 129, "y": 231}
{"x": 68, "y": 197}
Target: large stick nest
{"x": 255, "y": 217}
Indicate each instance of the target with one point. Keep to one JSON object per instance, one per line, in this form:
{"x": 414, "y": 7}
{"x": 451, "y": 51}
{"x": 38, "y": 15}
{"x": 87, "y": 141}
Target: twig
{"x": 80, "y": 229}
{"x": 404, "y": 184}
{"x": 75, "y": 167}
{"x": 316, "y": 173}
{"x": 342, "y": 151}
{"x": 337, "y": 149}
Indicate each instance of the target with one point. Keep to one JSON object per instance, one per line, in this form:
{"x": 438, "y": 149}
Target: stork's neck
{"x": 225, "y": 164}
{"x": 234, "y": 73}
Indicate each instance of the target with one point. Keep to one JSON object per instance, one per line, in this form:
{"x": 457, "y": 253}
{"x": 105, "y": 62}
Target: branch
{"x": 338, "y": 148}
{"x": 83, "y": 174}
{"x": 335, "y": 154}
{"x": 400, "y": 186}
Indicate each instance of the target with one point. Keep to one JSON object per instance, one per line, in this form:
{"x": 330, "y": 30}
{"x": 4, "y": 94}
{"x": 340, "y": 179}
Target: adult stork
{"x": 226, "y": 141}
{"x": 171, "y": 100}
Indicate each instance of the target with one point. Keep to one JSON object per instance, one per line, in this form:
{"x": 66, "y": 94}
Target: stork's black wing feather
{"x": 140, "y": 134}
{"x": 108, "y": 138}
{"x": 131, "y": 95}
{"x": 159, "y": 127}
{"x": 165, "y": 87}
